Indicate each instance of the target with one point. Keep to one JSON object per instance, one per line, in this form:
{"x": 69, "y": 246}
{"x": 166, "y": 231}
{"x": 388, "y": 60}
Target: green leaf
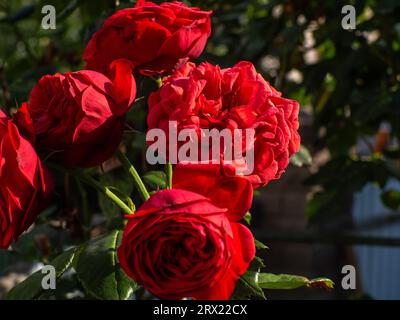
{"x": 301, "y": 158}
{"x": 281, "y": 281}
{"x": 31, "y": 288}
{"x": 155, "y": 179}
{"x": 99, "y": 271}
{"x": 247, "y": 286}
{"x": 391, "y": 199}
{"x": 288, "y": 281}
{"x": 260, "y": 245}
{"x": 247, "y": 218}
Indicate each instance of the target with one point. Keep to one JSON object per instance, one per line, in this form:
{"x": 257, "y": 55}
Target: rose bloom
{"x": 155, "y": 38}
{"x": 78, "y": 117}
{"x": 184, "y": 244}
{"x": 25, "y": 186}
{"x": 207, "y": 97}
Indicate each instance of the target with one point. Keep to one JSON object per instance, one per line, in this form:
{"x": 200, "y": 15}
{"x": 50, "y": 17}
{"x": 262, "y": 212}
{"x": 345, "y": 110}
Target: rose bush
{"x": 179, "y": 244}
{"x": 209, "y": 97}
{"x": 78, "y": 117}
{"x": 25, "y": 186}
{"x": 155, "y": 38}
{"x": 186, "y": 240}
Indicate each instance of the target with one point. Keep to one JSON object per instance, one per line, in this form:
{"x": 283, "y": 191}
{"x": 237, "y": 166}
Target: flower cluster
{"x": 185, "y": 241}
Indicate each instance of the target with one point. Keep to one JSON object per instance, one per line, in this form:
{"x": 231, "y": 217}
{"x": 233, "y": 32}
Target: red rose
{"x": 24, "y": 184}
{"x": 155, "y": 38}
{"x": 179, "y": 244}
{"x": 78, "y": 117}
{"x": 233, "y": 193}
{"x": 206, "y": 97}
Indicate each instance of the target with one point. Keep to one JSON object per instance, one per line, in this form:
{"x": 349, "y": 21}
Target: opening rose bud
{"x": 78, "y": 117}
{"x": 179, "y": 244}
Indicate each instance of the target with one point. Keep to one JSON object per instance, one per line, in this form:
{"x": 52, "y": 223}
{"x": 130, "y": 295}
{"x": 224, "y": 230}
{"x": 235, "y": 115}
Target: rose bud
{"x": 155, "y": 38}
{"x": 25, "y": 186}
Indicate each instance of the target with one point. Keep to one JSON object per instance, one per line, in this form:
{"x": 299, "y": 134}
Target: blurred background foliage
{"x": 347, "y": 83}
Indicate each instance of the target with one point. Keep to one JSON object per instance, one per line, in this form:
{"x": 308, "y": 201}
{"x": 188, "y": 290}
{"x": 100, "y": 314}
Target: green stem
{"x": 169, "y": 171}
{"x": 95, "y": 184}
{"x": 134, "y": 174}
{"x": 105, "y": 190}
